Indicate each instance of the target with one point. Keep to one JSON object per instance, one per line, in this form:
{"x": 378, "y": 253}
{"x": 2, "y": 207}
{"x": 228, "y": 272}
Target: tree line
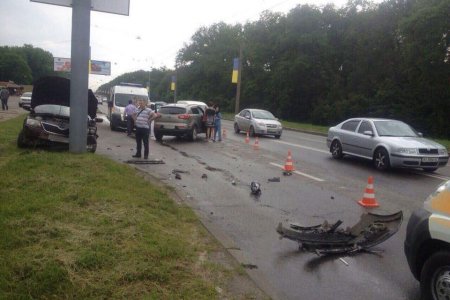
{"x": 25, "y": 64}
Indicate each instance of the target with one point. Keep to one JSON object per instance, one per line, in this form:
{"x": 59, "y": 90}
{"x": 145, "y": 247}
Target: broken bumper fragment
{"x": 371, "y": 230}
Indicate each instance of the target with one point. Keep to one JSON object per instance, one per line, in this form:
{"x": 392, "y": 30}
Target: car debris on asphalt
{"x": 255, "y": 188}
{"x": 178, "y": 171}
{"x": 274, "y": 179}
{"x": 177, "y": 176}
{"x": 204, "y": 176}
{"x": 372, "y": 229}
{"x": 146, "y": 162}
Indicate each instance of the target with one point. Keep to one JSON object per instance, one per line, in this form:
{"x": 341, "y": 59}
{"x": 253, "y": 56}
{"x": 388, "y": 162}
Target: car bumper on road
{"x": 431, "y": 162}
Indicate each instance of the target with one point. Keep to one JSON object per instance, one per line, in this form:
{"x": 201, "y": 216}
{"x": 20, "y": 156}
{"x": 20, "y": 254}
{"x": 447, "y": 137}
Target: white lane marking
{"x": 298, "y": 173}
{"x": 434, "y": 176}
{"x": 303, "y": 147}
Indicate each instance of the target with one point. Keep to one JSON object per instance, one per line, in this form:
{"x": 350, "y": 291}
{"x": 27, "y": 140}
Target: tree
{"x": 13, "y": 67}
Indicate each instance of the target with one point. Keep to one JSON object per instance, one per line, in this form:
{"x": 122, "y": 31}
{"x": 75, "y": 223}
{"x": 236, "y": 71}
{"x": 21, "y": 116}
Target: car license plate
{"x": 430, "y": 159}
{"x": 58, "y": 138}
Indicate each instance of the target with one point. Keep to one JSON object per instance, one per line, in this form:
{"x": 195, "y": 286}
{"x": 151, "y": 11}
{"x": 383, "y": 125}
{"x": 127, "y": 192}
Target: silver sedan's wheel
{"x": 381, "y": 159}
{"x": 236, "y": 128}
{"x": 336, "y": 149}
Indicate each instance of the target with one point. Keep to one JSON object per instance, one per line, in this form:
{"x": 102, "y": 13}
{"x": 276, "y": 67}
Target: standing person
{"x": 4, "y": 95}
{"x": 128, "y": 113}
{"x": 217, "y": 123}
{"x": 210, "y": 114}
{"x": 143, "y": 116}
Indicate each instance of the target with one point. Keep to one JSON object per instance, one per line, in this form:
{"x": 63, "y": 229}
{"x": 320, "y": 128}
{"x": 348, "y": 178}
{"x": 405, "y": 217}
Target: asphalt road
{"x": 323, "y": 189}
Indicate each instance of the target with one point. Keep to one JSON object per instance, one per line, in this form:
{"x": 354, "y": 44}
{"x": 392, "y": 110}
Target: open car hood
{"x": 56, "y": 90}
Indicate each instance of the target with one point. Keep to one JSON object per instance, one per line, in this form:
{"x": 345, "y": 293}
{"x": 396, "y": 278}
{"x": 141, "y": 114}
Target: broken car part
{"x": 371, "y": 230}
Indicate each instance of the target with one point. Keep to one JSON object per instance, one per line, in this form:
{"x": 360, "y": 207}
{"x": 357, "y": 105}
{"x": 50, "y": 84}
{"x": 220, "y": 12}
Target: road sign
{"x": 120, "y": 7}
{"x": 96, "y": 67}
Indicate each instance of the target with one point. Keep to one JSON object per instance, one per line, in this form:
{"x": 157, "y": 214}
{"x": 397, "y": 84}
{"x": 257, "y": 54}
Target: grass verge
{"x": 82, "y": 226}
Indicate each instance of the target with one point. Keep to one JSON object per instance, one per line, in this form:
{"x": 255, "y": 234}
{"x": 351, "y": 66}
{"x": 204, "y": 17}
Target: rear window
{"x": 171, "y": 110}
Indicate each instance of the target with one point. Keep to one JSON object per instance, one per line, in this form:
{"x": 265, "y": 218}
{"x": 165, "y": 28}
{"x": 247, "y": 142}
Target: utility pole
{"x": 238, "y": 87}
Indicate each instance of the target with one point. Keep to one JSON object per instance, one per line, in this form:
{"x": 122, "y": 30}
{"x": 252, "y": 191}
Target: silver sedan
{"x": 388, "y": 143}
{"x": 257, "y": 122}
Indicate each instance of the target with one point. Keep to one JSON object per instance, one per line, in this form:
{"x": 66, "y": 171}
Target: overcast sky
{"x": 150, "y": 36}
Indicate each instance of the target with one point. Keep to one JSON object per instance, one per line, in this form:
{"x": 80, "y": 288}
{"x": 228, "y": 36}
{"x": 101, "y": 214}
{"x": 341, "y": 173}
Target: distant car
{"x": 427, "y": 244}
{"x": 48, "y": 121}
{"x": 388, "y": 143}
{"x": 257, "y": 122}
{"x": 25, "y": 99}
{"x": 179, "y": 120}
{"x": 156, "y": 105}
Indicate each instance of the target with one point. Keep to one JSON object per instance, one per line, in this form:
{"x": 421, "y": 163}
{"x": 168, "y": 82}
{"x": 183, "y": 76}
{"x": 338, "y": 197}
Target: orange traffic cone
{"x": 289, "y": 165}
{"x": 256, "y": 144}
{"x": 368, "y": 200}
{"x": 247, "y": 139}
{"x": 224, "y": 133}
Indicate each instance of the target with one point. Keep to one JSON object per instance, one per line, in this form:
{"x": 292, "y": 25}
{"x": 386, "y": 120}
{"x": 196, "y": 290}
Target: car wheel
{"x": 381, "y": 159}
{"x": 158, "y": 137}
{"x": 193, "y": 134}
{"x": 278, "y": 136}
{"x": 91, "y": 144}
{"x": 112, "y": 126}
{"x": 430, "y": 170}
{"x": 336, "y": 149}
{"x": 435, "y": 276}
{"x": 252, "y": 131}
{"x": 21, "y": 143}
{"x": 236, "y": 128}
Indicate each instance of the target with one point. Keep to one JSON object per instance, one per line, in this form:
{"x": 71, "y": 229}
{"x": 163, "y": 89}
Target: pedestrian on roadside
{"x": 217, "y": 123}
{"x": 210, "y": 114}
{"x": 143, "y": 116}
{"x": 4, "y": 95}
{"x": 128, "y": 113}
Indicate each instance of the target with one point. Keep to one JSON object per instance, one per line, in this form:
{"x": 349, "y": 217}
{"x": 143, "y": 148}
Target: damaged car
{"x": 48, "y": 121}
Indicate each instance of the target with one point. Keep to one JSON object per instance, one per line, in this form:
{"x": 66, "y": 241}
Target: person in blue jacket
{"x": 217, "y": 123}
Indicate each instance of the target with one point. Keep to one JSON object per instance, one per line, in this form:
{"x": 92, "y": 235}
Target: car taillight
{"x": 184, "y": 116}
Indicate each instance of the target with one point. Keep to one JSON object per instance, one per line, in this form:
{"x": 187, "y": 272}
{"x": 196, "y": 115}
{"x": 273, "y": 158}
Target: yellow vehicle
{"x": 427, "y": 244}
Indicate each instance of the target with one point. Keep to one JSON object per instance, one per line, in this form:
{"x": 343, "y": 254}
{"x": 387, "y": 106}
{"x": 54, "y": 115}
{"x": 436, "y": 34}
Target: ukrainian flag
{"x": 234, "y": 76}
{"x": 173, "y": 84}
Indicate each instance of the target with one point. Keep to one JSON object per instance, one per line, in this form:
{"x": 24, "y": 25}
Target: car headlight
{"x": 33, "y": 123}
{"x": 407, "y": 150}
{"x": 442, "y": 151}
{"x": 261, "y": 124}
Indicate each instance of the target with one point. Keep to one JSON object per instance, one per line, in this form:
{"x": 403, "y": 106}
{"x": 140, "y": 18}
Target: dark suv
{"x": 48, "y": 121}
{"x": 179, "y": 120}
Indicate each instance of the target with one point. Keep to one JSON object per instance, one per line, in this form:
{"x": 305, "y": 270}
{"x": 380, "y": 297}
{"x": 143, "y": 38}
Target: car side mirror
{"x": 98, "y": 120}
{"x": 368, "y": 132}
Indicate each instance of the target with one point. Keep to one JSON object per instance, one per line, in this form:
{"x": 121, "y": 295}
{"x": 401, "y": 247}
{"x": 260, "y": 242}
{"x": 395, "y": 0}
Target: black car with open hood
{"x": 48, "y": 121}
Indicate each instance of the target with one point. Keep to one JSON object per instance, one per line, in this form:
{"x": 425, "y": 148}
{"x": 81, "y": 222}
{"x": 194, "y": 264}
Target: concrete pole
{"x": 238, "y": 87}
{"x": 79, "y": 79}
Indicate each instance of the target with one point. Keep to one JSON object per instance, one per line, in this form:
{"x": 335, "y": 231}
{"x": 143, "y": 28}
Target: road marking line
{"x": 433, "y": 176}
{"x": 298, "y": 173}
{"x": 304, "y": 147}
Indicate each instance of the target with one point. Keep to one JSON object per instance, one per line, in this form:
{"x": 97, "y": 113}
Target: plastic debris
{"x": 255, "y": 187}
{"x": 274, "y": 179}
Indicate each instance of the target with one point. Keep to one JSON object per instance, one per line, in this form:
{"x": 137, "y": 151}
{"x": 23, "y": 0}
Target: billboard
{"x": 120, "y": 7}
{"x": 96, "y": 67}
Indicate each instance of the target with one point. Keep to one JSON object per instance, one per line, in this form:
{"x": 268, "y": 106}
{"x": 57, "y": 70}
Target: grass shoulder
{"x": 83, "y": 226}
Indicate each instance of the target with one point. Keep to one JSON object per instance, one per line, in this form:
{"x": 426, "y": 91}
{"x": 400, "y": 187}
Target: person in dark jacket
{"x": 4, "y": 95}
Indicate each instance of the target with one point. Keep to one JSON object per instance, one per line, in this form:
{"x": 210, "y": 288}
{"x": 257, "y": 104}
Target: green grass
{"x": 324, "y": 129}
{"x": 82, "y": 226}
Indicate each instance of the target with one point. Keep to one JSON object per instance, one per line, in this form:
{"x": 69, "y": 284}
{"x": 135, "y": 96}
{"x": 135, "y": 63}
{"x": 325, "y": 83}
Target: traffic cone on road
{"x": 256, "y": 144}
{"x": 368, "y": 200}
{"x": 224, "y": 133}
{"x": 247, "y": 139}
{"x": 289, "y": 165}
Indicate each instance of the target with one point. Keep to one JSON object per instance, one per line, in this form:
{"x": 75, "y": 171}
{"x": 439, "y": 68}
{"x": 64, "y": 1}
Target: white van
{"x": 118, "y": 99}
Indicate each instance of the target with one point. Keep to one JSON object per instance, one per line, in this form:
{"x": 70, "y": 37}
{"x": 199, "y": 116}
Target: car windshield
{"x": 121, "y": 100}
{"x": 52, "y": 109}
{"x": 262, "y": 114}
{"x": 172, "y": 110}
{"x": 394, "y": 128}
{"x": 26, "y": 94}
